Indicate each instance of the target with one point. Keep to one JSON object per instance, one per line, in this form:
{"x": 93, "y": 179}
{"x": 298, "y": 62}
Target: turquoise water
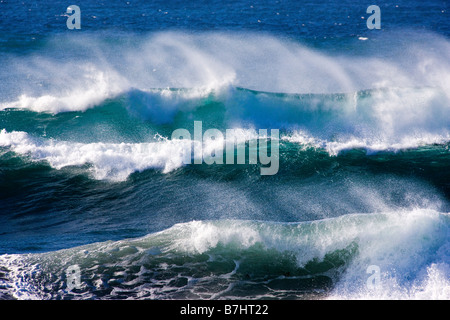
{"x": 90, "y": 175}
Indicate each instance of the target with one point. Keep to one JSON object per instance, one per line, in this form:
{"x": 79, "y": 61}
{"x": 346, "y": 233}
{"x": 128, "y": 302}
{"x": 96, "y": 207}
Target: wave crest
{"x": 214, "y": 259}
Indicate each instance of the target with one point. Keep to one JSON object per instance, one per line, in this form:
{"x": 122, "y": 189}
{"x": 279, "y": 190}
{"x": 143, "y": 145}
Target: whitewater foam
{"x": 209, "y": 61}
{"x": 410, "y": 247}
{"x": 83, "y": 86}
{"x": 116, "y": 161}
{"x": 111, "y": 161}
{"x": 371, "y": 146}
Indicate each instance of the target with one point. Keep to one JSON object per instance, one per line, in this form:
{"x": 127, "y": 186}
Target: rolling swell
{"x": 337, "y": 156}
{"x": 240, "y": 259}
{"x": 132, "y": 132}
{"x": 89, "y": 174}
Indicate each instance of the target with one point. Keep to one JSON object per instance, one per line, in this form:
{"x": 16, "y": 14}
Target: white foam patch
{"x": 108, "y": 160}
{"x": 209, "y": 61}
{"x": 19, "y": 285}
{"x": 371, "y": 146}
{"x": 89, "y": 87}
{"x": 432, "y": 284}
{"x": 382, "y": 120}
{"x": 116, "y": 161}
{"x": 199, "y": 236}
{"x": 411, "y": 248}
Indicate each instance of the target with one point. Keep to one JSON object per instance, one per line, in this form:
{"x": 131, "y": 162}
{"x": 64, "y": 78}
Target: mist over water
{"x": 77, "y": 72}
{"x": 90, "y": 176}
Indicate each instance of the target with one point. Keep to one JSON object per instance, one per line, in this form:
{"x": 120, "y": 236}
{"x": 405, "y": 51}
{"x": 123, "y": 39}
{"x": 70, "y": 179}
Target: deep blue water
{"x": 90, "y": 176}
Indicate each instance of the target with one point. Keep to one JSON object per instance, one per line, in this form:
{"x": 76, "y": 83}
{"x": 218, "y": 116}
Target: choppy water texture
{"x": 90, "y": 176}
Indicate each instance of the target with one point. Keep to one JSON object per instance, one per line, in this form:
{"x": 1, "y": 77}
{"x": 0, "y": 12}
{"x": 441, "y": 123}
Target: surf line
{"x": 209, "y": 147}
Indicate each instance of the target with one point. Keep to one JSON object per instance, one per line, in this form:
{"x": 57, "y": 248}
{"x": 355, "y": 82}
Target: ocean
{"x": 120, "y": 179}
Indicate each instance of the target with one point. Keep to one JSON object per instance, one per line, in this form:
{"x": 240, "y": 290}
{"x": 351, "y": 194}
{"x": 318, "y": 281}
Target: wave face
{"x": 231, "y": 259}
{"x": 167, "y": 80}
{"x": 105, "y": 67}
{"x": 91, "y": 177}
{"x": 132, "y": 132}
